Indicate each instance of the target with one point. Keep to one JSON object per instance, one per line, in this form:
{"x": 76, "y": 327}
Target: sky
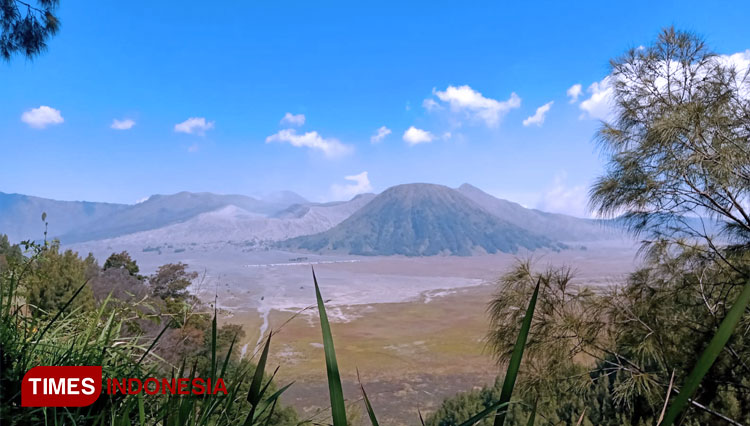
{"x": 328, "y": 99}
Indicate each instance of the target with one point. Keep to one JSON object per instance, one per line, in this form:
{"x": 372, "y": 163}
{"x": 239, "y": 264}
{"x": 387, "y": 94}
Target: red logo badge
{"x": 61, "y": 386}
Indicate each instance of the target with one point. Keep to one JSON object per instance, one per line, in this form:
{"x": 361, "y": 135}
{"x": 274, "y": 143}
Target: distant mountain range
{"x": 411, "y": 219}
{"x": 76, "y": 221}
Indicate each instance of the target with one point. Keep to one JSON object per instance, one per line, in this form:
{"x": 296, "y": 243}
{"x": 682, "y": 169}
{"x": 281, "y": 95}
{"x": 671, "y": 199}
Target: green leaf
{"x": 706, "y": 360}
{"x": 515, "y": 358}
{"x": 499, "y": 405}
{"x": 213, "y": 346}
{"x": 226, "y": 360}
{"x": 370, "y": 411}
{"x": 254, "y": 394}
{"x": 338, "y": 407}
{"x": 271, "y": 400}
{"x": 532, "y": 416}
{"x": 141, "y": 410}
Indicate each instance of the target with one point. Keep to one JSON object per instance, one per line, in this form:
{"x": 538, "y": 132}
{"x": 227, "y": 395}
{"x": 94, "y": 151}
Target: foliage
{"x": 678, "y": 144}
{"x": 25, "y": 27}
{"x": 55, "y": 276}
{"x": 611, "y": 354}
{"x": 170, "y": 282}
{"x": 122, "y": 260}
{"x": 84, "y": 334}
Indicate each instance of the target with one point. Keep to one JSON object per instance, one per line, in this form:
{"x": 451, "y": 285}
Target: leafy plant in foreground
{"x": 338, "y": 405}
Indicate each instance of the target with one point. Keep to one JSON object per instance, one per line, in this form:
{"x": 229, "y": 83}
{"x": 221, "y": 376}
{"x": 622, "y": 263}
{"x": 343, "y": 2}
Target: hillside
{"x": 21, "y": 215}
{"x": 422, "y": 220}
{"x": 76, "y": 221}
{"x": 234, "y": 224}
{"x": 556, "y": 226}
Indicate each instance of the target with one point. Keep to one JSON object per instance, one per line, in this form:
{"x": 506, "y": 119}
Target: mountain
{"x": 555, "y": 226}
{"x": 232, "y": 223}
{"x": 421, "y": 220}
{"x": 162, "y": 210}
{"x": 77, "y": 221}
{"x": 21, "y": 215}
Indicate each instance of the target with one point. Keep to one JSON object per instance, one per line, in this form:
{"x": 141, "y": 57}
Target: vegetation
{"x": 679, "y": 176}
{"x": 59, "y": 309}
{"x": 25, "y": 27}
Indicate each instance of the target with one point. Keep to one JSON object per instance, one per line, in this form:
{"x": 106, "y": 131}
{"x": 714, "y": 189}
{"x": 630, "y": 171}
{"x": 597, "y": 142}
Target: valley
{"x": 406, "y": 274}
{"x": 413, "y": 326}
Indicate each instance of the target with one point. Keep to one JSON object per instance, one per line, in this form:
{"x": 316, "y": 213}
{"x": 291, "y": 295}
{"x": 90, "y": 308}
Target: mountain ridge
{"x": 422, "y": 219}
{"x": 410, "y": 219}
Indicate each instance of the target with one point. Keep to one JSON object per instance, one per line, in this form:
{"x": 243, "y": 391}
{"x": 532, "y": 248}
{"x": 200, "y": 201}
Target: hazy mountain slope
{"x": 558, "y": 227}
{"x": 234, "y": 224}
{"x": 282, "y": 199}
{"x": 20, "y": 215}
{"x": 339, "y": 207}
{"x": 422, "y": 219}
{"x": 162, "y": 210}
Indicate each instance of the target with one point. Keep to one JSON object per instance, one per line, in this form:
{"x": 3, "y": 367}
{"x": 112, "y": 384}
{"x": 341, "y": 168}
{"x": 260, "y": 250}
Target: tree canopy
{"x": 678, "y": 142}
{"x": 25, "y": 26}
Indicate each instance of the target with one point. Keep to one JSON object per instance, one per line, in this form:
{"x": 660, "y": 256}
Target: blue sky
{"x": 464, "y": 75}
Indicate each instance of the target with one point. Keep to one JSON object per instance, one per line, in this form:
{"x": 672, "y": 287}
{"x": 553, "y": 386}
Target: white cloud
{"x": 741, "y": 63}
{"x": 538, "y": 117}
{"x": 193, "y": 148}
{"x": 599, "y": 105}
{"x": 380, "y": 134}
{"x": 345, "y": 192}
{"x": 413, "y": 136}
{"x": 464, "y": 99}
{"x": 574, "y": 92}
{"x": 293, "y": 119}
{"x": 429, "y": 104}
{"x": 561, "y": 198}
{"x": 194, "y": 125}
{"x": 739, "y": 60}
{"x": 125, "y": 124}
{"x": 329, "y": 147}
{"x": 42, "y": 117}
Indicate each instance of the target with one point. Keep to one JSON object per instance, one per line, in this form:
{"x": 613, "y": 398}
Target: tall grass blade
{"x": 499, "y": 405}
{"x": 338, "y": 407}
{"x": 271, "y": 400}
{"x": 226, "y": 359}
{"x": 532, "y": 416}
{"x": 706, "y": 360}
{"x": 368, "y": 406}
{"x": 515, "y": 359}
{"x": 213, "y": 346}
{"x": 141, "y": 410}
{"x": 153, "y": 343}
{"x": 254, "y": 394}
{"x": 60, "y": 312}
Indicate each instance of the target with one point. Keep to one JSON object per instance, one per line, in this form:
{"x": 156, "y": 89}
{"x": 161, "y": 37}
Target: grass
{"x": 73, "y": 337}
